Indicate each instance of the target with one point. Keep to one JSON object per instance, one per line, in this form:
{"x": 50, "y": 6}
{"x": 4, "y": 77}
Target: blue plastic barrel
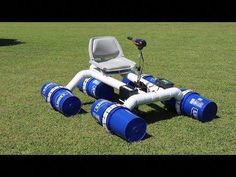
{"x": 150, "y": 78}
{"x": 147, "y": 77}
{"x": 195, "y": 105}
{"x": 61, "y": 99}
{"x": 46, "y": 89}
{"x": 96, "y": 88}
{"x": 65, "y": 102}
{"x": 199, "y": 107}
{"x": 119, "y": 120}
{"x": 128, "y": 82}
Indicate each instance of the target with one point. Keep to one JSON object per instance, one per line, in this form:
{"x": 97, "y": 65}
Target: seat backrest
{"x": 104, "y": 48}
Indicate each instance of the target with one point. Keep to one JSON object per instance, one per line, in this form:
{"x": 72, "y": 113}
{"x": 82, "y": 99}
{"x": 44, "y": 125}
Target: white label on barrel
{"x": 106, "y": 113}
{"x": 200, "y": 103}
{"x": 94, "y": 89}
{"x": 60, "y": 97}
{"x": 192, "y": 101}
{"x": 85, "y": 85}
{"x": 45, "y": 88}
{"x": 197, "y": 102}
{"x": 51, "y": 92}
{"x": 98, "y": 105}
{"x": 96, "y": 82}
{"x": 194, "y": 112}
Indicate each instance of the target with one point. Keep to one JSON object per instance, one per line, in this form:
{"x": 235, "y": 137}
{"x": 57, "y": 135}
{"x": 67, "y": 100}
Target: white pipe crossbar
{"x": 155, "y": 93}
{"x": 160, "y": 95}
{"x": 97, "y": 75}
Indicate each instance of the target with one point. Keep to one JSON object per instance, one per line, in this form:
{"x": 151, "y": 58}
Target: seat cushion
{"x": 115, "y": 64}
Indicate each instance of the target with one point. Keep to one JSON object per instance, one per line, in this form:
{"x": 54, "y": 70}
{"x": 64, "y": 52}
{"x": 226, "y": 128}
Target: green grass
{"x": 198, "y": 56}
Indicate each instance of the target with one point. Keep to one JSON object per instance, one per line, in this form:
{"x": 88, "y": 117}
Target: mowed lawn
{"x": 197, "y": 56}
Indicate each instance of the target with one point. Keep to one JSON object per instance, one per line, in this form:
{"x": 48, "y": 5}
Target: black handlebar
{"x": 140, "y": 43}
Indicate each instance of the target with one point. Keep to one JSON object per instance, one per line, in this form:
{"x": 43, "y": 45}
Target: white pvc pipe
{"x": 133, "y": 77}
{"x": 107, "y": 79}
{"x": 160, "y": 95}
{"x": 157, "y": 93}
{"x": 82, "y": 74}
{"x": 97, "y": 75}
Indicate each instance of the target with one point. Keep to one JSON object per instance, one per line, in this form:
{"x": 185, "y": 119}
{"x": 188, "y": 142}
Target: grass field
{"x": 198, "y": 56}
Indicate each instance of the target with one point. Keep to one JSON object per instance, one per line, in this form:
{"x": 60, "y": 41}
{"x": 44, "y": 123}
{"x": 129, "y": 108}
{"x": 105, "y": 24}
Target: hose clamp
{"x": 85, "y": 85}
{"x": 177, "y": 104}
{"x": 51, "y": 92}
{"x": 106, "y": 113}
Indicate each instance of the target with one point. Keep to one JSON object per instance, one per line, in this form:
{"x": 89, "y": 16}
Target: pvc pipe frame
{"x": 155, "y": 93}
{"x": 97, "y": 75}
{"x": 160, "y": 95}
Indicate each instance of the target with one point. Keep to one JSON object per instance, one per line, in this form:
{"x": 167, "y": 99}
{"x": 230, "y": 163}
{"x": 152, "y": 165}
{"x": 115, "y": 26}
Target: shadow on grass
{"x": 82, "y": 111}
{"x": 90, "y": 102}
{"x": 153, "y": 116}
{"x": 114, "y": 99}
{"x": 9, "y": 42}
{"x": 146, "y": 136}
{"x": 156, "y": 115}
{"x": 159, "y": 114}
